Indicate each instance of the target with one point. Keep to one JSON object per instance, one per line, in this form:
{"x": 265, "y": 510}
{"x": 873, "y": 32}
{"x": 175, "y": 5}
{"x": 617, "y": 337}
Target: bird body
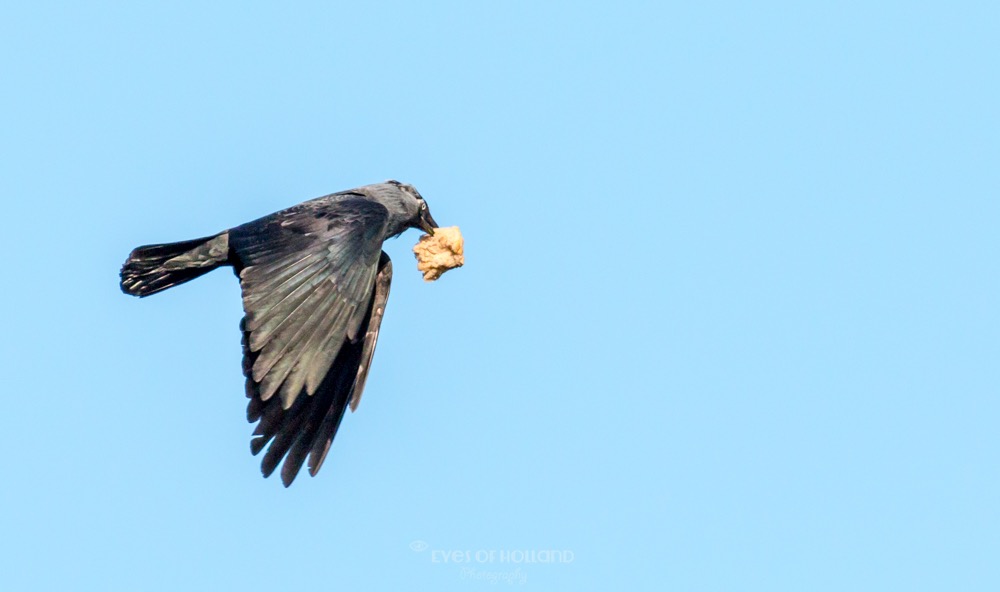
{"x": 315, "y": 282}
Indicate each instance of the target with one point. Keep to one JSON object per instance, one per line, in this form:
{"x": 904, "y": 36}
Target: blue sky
{"x": 728, "y": 319}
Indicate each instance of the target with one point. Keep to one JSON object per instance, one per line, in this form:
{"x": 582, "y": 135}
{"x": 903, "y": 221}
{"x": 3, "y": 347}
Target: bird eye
{"x": 423, "y": 206}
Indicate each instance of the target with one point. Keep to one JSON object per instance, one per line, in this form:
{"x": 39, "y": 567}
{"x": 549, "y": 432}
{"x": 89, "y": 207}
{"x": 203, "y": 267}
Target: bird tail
{"x": 154, "y": 268}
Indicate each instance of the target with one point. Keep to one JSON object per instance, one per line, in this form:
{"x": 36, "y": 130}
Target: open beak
{"x": 427, "y": 223}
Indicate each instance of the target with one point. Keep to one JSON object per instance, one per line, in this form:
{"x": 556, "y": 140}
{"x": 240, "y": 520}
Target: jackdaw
{"x": 315, "y": 282}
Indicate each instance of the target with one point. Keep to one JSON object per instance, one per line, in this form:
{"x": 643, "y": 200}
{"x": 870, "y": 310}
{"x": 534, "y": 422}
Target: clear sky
{"x": 728, "y": 319}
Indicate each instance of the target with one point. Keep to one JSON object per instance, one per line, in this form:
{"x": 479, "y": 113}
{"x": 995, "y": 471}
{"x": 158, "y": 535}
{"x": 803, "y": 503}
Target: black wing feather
{"x": 314, "y": 280}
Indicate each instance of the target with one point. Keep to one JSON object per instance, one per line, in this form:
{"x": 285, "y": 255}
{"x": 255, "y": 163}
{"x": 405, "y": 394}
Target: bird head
{"x": 406, "y": 206}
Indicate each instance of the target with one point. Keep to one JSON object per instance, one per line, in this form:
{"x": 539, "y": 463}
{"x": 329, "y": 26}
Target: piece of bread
{"x": 438, "y": 253}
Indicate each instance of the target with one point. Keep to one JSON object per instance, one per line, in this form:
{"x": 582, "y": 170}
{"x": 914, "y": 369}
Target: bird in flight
{"x": 315, "y": 281}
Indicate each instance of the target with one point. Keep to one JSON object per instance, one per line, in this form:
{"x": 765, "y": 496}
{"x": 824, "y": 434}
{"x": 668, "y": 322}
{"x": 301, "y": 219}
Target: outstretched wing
{"x": 309, "y": 286}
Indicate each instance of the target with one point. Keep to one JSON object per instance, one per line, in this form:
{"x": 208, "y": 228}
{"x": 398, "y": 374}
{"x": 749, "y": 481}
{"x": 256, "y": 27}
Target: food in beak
{"x": 439, "y": 251}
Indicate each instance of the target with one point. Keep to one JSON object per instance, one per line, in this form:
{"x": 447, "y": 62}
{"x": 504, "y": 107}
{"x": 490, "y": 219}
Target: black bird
{"x": 315, "y": 282}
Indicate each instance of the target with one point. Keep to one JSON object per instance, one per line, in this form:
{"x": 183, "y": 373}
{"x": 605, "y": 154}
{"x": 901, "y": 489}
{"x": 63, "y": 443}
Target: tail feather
{"x": 154, "y": 268}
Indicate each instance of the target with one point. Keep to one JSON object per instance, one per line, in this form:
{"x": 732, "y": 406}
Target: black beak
{"x": 427, "y": 223}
